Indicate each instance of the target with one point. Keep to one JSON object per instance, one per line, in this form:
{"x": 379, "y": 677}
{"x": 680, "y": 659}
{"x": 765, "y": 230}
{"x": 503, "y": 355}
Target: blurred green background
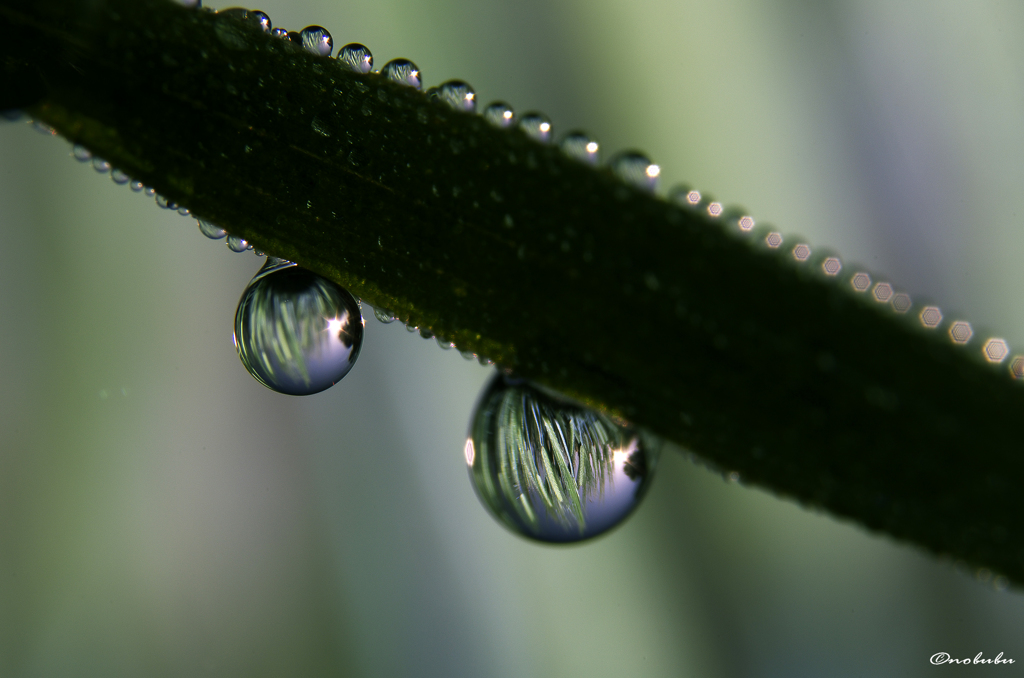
{"x": 163, "y": 514}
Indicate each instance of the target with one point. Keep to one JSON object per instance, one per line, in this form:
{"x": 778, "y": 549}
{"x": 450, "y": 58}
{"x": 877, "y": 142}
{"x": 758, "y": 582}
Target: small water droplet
{"x": 166, "y": 204}
{"x": 12, "y": 115}
{"x": 261, "y": 19}
{"x": 411, "y": 328}
{"x": 136, "y": 186}
{"x": 43, "y": 128}
{"x": 149, "y": 192}
{"x": 443, "y": 343}
{"x": 211, "y": 231}
{"x": 81, "y": 153}
{"x": 636, "y": 169}
{"x": 236, "y": 244}
{"x": 320, "y": 127}
{"x": 118, "y": 177}
{"x": 317, "y": 40}
{"x": 383, "y": 315}
{"x": 457, "y": 94}
{"x": 552, "y": 470}
{"x": 296, "y": 332}
{"x": 581, "y": 147}
{"x": 930, "y": 317}
{"x": 279, "y": 33}
{"x": 183, "y": 211}
{"x": 500, "y": 114}
{"x": 356, "y": 57}
{"x": 685, "y": 196}
{"x": 468, "y": 355}
{"x": 404, "y": 72}
{"x": 100, "y": 165}
{"x": 537, "y": 126}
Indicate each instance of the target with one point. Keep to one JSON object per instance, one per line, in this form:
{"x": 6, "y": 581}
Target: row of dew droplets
{"x": 994, "y": 350}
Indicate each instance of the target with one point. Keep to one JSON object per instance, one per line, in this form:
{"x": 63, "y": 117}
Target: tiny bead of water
{"x": 636, "y": 169}
{"x": 211, "y": 231}
{"x": 236, "y": 244}
{"x": 118, "y": 177}
{"x": 81, "y": 153}
{"x": 457, "y": 95}
{"x": 581, "y": 147}
{"x": 100, "y": 165}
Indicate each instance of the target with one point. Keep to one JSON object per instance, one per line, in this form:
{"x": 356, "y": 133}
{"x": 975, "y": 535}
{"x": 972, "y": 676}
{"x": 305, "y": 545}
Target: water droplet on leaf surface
{"x": 581, "y": 147}
{"x": 296, "y": 332}
{"x": 81, "y": 153}
{"x": 456, "y": 94}
{"x": 553, "y": 470}
{"x": 636, "y": 169}
{"x": 356, "y": 57}
{"x": 317, "y": 40}
{"x": 383, "y": 315}
{"x": 500, "y": 114}
{"x": 236, "y": 244}
{"x": 537, "y": 126}
{"x": 211, "y": 231}
{"x": 404, "y": 72}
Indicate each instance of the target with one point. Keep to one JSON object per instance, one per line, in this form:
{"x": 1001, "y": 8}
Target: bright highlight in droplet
{"x": 653, "y": 171}
{"x": 470, "y": 452}
{"x": 996, "y": 350}
{"x": 507, "y": 115}
{"x": 592, "y": 147}
{"x": 545, "y": 127}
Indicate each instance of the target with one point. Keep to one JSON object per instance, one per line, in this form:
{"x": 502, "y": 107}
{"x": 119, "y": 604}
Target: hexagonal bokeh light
{"x": 996, "y": 350}
{"x": 802, "y": 252}
{"x": 882, "y": 292}
{"x": 860, "y": 282}
{"x": 901, "y": 302}
{"x": 773, "y": 239}
{"x": 1017, "y": 367}
{"x": 931, "y": 317}
{"x": 960, "y": 332}
{"x": 831, "y": 266}
{"x": 746, "y": 223}
{"x": 715, "y": 209}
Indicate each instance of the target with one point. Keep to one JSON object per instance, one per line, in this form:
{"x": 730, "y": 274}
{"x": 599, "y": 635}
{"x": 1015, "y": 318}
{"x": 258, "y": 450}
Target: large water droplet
{"x": 537, "y": 126}
{"x": 636, "y": 169}
{"x": 211, "y": 231}
{"x": 403, "y": 72}
{"x": 553, "y": 470}
{"x": 500, "y": 114}
{"x": 317, "y": 40}
{"x": 581, "y": 147}
{"x": 261, "y": 19}
{"x": 296, "y": 332}
{"x": 456, "y": 94}
{"x": 356, "y": 57}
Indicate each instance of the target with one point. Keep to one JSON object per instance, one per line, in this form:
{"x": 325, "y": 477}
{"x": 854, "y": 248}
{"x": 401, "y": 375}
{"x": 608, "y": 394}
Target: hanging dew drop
{"x": 166, "y": 204}
{"x": 211, "y": 231}
{"x": 457, "y": 94}
{"x": 279, "y": 33}
{"x": 383, "y": 315}
{"x": 118, "y": 177}
{"x": 356, "y": 57}
{"x": 100, "y": 165}
{"x": 636, "y": 169}
{"x": 500, "y": 114}
{"x": 296, "y": 332}
{"x": 581, "y": 147}
{"x": 81, "y": 153}
{"x": 553, "y": 470}
{"x": 317, "y": 40}
{"x": 404, "y": 72}
{"x": 136, "y": 186}
{"x": 261, "y": 19}
{"x": 537, "y": 126}
{"x": 236, "y": 244}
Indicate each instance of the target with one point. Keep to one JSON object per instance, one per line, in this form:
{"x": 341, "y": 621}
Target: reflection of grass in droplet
{"x": 559, "y": 454}
{"x": 289, "y": 312}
